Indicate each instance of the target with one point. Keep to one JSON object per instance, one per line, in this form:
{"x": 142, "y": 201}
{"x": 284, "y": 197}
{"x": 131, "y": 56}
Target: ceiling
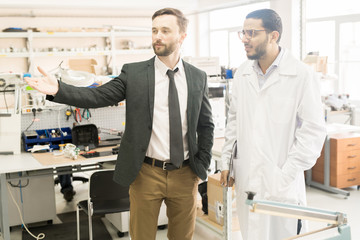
{"x": 108, "y": 8}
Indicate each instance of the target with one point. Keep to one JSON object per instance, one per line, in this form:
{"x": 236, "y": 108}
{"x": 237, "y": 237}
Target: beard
{"x": 260, "y": 51}
{"x": 166, "y": 50}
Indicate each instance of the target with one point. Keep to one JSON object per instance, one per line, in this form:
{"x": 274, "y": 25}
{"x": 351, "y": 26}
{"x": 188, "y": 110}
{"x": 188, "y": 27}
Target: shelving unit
{"x": 109, "y": 47}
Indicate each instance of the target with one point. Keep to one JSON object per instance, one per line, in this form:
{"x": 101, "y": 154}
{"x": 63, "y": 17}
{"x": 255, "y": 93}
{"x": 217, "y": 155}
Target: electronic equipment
{"x": 8, "y": 81}
{"x": 85, "y": 136}
{"x": 10, "y": 113}
{"x": 210, "y": 65}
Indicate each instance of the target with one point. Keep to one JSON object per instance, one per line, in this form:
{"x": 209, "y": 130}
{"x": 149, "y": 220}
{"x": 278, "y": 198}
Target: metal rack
{"x": 110, "y": 52}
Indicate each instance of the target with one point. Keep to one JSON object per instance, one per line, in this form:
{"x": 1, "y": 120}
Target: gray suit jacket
{"x": 136, "y": 84}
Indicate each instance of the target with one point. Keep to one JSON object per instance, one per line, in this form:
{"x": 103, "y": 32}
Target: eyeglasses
{"x": 249, "y": 34}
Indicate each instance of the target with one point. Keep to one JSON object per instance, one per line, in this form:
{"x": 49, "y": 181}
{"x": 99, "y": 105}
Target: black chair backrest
{"x": 103, "y": 187}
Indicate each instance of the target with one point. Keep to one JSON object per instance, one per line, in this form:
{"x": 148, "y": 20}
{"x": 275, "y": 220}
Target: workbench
{"x": 30, "y": 167}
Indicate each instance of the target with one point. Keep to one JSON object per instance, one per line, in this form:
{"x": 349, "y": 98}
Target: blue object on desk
{"x": 228, "y": 74}
{"x": 44, "y": 136}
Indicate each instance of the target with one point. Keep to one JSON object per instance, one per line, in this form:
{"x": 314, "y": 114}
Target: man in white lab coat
{"x": 276, "y": 116}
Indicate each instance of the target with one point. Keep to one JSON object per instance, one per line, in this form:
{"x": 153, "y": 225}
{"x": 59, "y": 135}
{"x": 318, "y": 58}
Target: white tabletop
{"x": 26, "y": 162}
{"x": 334, "y": 128}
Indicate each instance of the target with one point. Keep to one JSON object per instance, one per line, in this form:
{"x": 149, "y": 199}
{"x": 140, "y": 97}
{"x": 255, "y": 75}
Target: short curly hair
{"x": 181, "y": 19}
{"x": 270, "y": 19}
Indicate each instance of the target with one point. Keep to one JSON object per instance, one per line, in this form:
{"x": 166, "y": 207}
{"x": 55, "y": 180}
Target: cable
{"x": 7, "y": 108}
{"x": 33, "y": 120}
{"x": 40, "y": 235}
{"x": 63, "y": 133}
{"x": 18, "y": 185}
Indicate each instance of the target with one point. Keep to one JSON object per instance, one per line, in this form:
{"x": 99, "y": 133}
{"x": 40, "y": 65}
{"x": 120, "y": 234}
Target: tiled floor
{"x": 316, "y": 199}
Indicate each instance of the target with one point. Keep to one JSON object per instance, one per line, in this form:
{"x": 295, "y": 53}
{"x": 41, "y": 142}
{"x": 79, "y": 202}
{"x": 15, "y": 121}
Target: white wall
{"x": 104, "y": 7}
{"x": 290, "y": 14}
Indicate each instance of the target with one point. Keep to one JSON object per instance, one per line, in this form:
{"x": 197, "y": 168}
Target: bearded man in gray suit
{"x": 144, "y": 160}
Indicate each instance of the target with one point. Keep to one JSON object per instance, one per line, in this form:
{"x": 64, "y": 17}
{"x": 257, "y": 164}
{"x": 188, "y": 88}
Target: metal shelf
{"x": 111, "y": 52}
{"x": 15, "y": 55}
{"x": 74, "y": 34}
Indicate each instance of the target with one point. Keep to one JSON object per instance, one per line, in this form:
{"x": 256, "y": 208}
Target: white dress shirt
{"x": 159, "y": 146}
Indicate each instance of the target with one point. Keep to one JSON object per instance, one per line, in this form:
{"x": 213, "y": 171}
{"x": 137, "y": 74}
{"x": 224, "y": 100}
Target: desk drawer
{"x": 345, "y": 144}
{"x": 346, "y": 180}
{"x": 347, "y": 162}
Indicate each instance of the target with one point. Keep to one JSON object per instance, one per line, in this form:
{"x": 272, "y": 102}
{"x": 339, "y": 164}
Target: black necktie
{"x": 175, "y": 126}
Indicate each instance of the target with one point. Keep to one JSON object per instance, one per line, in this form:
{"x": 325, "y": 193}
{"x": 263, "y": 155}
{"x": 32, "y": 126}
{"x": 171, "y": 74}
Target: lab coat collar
{"x": 286, "y": 65}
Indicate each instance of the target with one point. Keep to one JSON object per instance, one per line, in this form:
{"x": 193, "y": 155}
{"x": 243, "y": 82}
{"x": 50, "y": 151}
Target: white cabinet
{"x": 23, "y": 51}
{"x": 36, "y": 200}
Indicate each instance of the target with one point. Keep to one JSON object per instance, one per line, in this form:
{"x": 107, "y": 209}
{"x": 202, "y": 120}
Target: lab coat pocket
{"x": 281, "y": 109}
{"x": 279, "y": 187}
{"x": 241, "y": 177}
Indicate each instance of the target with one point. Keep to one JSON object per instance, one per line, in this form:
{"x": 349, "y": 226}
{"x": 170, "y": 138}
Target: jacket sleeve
{"x": 205, "y": 129}
{"x": 311, "y": 131}
{"x": 106, "y": 95}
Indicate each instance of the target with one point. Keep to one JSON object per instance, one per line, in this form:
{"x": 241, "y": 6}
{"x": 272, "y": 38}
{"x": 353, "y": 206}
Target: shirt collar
{"x": 163, "y": 68}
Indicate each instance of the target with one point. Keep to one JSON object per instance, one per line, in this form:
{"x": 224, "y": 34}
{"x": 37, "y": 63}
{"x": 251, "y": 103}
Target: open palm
{"x": 46, "y": 84}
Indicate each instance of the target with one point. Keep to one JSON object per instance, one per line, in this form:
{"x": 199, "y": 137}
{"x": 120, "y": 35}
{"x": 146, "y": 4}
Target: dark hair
{"x": 181, "y": 19}
{"x": 270, "y": 19}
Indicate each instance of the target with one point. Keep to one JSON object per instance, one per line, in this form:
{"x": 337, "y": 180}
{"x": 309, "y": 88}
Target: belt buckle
{"x": 164, "y": 166}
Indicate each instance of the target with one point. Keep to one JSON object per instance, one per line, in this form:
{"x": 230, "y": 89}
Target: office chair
{"x": 105, "y": 196}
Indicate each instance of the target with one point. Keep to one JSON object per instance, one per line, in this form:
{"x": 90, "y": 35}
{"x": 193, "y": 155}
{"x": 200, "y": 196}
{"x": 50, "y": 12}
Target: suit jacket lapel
{"x": 151, "y": 84}
{"x": 190, "y": 86}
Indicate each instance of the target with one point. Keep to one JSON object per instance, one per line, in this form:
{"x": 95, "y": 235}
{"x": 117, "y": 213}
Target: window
{"x": 349, "y": 58}
{"x": 224, "y": 25}
{"x": 335, "y": 32}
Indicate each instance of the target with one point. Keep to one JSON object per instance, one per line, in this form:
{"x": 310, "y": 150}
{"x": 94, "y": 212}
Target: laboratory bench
{"x": 43, "y": 166}
{"x": 36, "y": 172}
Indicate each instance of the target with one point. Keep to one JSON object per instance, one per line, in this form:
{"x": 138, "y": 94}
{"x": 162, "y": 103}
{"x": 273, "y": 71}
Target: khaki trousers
{"x": 178, "y": 188}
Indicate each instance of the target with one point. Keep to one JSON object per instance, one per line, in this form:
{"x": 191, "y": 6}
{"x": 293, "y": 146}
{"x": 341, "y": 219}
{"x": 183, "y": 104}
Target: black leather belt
{"x": 164, "y": 165}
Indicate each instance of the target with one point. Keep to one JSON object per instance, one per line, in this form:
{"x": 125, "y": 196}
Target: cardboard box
{"x": 86, "y": 65}
{"x": 215, "y": 199}
{"x": 319, "y": 63}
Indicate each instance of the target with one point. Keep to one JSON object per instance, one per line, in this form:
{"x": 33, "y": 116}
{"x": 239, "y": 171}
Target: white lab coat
{"x": 280, "y": 131}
